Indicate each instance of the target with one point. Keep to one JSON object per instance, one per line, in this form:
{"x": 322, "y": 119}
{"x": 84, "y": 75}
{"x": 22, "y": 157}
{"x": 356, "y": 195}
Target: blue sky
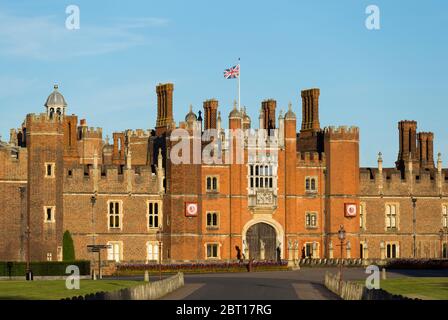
{"x": 108, "y": 69}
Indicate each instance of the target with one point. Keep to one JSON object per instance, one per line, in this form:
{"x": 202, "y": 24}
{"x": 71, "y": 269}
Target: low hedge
{"x": 42, "y": 268}
{"x": 403, "y": 263}
{"x": 138, "y": 268}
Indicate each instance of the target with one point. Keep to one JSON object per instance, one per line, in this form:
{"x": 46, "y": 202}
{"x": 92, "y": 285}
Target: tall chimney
{"x": 426, "y": 149}
{"x": 210, "y": 113}
{"x": 268, "y": 107}
{"x": 408, "y": 143}
{"x": 310, "y": 110}
{"x": 164, "y": 107}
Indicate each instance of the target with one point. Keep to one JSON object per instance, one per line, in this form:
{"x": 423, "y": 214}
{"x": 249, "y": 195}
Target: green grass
{"x": 55, "y": 289}
{"x": 422, "y": 288}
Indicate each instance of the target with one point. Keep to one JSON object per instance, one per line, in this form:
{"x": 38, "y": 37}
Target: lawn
{"x": 422, "y": 288}
{"x": 55, "y": 289}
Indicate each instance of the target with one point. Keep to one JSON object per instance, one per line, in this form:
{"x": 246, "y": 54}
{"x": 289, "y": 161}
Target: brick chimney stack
{"x": 210, "y": 113}
{"x": 426, "y": 149}
{"x": 268, "y": 107}
{"x": 310, "y": 110}
{"x": 164, "y": 107}
{"x": 408, "y": 143}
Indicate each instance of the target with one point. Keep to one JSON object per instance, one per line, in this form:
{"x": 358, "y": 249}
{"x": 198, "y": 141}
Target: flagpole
{"x": 239, "y": 86}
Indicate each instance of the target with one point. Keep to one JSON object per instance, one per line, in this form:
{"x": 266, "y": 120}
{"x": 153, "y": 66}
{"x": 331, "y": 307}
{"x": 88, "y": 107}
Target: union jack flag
{"x": 233, "y": 72}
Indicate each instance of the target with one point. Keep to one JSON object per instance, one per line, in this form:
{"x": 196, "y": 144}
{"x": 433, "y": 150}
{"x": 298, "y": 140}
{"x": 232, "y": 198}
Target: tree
{"x": 68, "y": 248}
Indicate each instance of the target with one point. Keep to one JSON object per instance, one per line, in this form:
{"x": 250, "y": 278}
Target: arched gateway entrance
{"x": 262, "y": 242}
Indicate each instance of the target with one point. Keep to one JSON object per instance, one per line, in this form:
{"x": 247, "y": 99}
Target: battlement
{"x": 42, "y": 118}
{"x": 115, "y": 175}
{"x": 138, "y": 133}
{"x": 310, "y": 159}
{"x": 91, "y": 132}
{"x": 342, "y": 133}
{"x": 395, "y": 182}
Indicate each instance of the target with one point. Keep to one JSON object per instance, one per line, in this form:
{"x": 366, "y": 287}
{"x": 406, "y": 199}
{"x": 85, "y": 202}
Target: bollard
{"x": 146, "y": 276}
{"x": 93, "y": 275}
{"x": 383, "y": 274}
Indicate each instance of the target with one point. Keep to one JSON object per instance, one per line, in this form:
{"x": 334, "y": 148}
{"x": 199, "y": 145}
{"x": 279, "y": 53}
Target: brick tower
{"x": 342, "y": 188}
{"x": 45, "y": 144}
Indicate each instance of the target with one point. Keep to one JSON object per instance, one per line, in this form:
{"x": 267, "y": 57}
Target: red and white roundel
{"x": 191, "y": 209}
{"x": 350, "y": 210}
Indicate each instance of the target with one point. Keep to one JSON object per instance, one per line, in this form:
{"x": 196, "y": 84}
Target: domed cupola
{"x": 290, "y": 114}
{"x": 191, "y": 116}
{"x": 55, "y": 103}
{"x": 235, "y": 113}
{"x": 246, "y": 119}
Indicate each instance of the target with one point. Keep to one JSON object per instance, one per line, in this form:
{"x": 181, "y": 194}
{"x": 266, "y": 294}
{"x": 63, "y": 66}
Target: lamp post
{"x": 93, "y": 201}
{"x": 446, "y": 242}
{"x": 28, "y": 272}
{"x": 441, "y": 234}
{"x": 414, "y": 231}
{"x": 341, "y": 236}
{"x": 159, "y": 239}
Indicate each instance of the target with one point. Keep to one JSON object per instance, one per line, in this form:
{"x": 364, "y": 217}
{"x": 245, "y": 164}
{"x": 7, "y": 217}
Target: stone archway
{"x": 261, "y": 240}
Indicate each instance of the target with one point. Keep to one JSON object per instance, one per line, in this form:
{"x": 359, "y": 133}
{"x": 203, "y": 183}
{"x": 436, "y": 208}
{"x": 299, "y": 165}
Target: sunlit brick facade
{"x": 58, "y": 174}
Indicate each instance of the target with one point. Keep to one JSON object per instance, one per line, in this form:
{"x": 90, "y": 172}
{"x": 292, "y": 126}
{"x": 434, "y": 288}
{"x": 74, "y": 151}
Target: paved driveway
{"x": 303, "y": 284}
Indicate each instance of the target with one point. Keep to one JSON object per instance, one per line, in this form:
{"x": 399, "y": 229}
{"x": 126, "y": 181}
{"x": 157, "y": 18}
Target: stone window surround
{"x": 444, "y": 215}
{"x": 53, "y": 214}
{"x": 120, "y": 215}
{"x": 53, "y": 166}
{"x": 214, "y": 227}
{"x": 271, "y": 176}
{"x": 211, "y": 177}
{"x": 154, "y": 244}
{"x": 310, "y": 178}
{"x": 311, "y": 213}
{"x": 160, "y": 214}
{"x": 218, "y": 257}
{"x": 397, "y": 216}
{"x": 120, "y": 246}
{"x": 397, "y": 246}
{"x": 363, "y": 215}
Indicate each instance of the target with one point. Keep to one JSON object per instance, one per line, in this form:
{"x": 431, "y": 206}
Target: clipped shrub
{"x": 68, "y": 248}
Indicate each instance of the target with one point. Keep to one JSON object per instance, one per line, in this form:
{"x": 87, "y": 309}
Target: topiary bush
{"x": 68, "y": 248}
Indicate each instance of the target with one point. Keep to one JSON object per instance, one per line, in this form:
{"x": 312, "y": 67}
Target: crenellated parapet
{"x": 138, "y": 133}
{"x": 341, "y": 133}
{"x": 42, "y": 122}
{"x": 391, "y": 181}
{"x": 112, "y": 179}
{"x": 311, "y": 159}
